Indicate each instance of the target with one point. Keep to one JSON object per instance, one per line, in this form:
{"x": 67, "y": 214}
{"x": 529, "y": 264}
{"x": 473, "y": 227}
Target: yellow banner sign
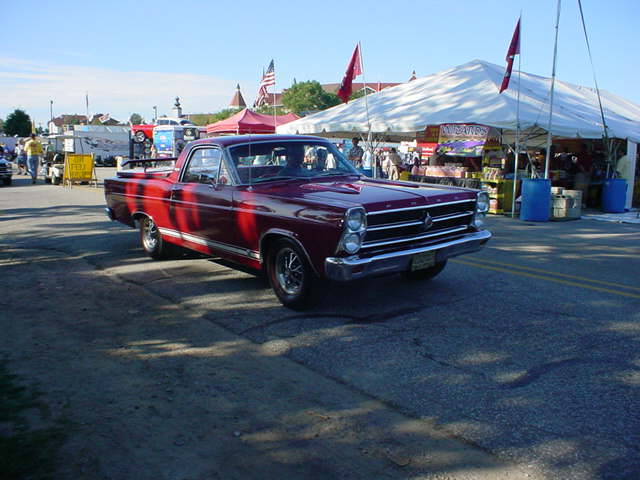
{"x": 78, "y": 168}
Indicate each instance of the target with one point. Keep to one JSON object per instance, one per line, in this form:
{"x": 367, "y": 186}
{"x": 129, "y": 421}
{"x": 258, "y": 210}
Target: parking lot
{"x": 520, "y": 361}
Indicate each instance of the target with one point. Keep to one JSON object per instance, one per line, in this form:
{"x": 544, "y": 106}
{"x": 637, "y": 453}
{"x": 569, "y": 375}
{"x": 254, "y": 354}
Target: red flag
{"x": 514, "y": 49}
{"x": 353, "y": 70}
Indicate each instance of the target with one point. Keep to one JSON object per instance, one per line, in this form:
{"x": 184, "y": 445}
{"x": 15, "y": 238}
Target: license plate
{"x": 423, "y": 260}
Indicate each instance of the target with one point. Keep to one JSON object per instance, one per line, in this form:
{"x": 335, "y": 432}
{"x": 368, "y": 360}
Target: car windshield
{"x": 288, "y": 159}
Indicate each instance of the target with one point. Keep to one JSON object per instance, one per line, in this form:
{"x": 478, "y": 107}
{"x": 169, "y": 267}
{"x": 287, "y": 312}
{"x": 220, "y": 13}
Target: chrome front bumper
{"x": 343, "y": 269}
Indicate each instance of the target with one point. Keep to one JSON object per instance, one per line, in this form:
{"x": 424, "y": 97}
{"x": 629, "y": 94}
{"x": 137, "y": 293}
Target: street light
{"x": 155, "y": 113}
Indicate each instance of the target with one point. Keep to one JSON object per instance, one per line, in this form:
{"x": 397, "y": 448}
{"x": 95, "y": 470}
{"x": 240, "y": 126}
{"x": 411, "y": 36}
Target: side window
{"x": 203, "y": 166}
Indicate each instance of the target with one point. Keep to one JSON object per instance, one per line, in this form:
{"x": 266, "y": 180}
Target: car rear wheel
{"x": 152, "y": 241}
{"x": 291, "y": 277}
{"x": 426, "y": 273}
{"x": 140, "y": 137}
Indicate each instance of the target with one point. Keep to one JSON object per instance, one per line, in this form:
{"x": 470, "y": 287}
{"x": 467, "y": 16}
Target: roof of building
{"x": 69, "y": 119}
{"x": 375, "y": 86}
{"x": 237, "y": 101}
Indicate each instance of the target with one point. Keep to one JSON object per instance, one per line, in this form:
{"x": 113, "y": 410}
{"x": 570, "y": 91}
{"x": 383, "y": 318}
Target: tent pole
{"x": 553, "y": 81}
{"x": 515, "y": 164}
{"x": 366, "y": 106}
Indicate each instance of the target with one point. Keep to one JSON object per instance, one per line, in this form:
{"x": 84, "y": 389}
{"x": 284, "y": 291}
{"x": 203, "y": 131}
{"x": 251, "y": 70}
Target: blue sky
{"x": 132, "y": 55}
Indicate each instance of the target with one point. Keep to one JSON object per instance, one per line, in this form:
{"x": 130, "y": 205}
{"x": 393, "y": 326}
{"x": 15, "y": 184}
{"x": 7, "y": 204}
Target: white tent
{"x": 469, "y": 94}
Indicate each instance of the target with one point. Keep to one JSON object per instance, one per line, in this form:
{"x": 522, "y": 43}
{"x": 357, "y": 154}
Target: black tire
{"x": 139, "y": 137}
{"x": 47, "y": 179}
{"x": 291, "y": 277}
{"x": 152, "y": 242}
{"x": 7, "y": 181}
{"x": 56, "y": 180}
{"x": 426, "y": 273}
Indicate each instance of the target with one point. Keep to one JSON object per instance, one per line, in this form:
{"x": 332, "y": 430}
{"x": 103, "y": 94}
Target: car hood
{"x": 373, "y": 195}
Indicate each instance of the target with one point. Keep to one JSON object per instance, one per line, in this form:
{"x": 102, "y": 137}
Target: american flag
{"x": 268, "y": 79}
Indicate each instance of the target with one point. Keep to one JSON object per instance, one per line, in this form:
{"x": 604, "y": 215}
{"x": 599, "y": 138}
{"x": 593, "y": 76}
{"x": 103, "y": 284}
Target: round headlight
{"x": 351, "y": 243}
{"x": 355, "y": 220}
{"x": 482, "y": 205}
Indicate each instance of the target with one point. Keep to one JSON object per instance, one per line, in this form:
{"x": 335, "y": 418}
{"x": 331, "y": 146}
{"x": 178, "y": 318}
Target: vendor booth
{"x": 247, "y": 121}
{"x": 466, "y": 130}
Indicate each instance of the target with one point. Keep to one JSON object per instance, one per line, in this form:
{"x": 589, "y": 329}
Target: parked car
{"x": 142, "y": 133}
{"x": 6, "y": 171}
{"x": 294, "y": 208}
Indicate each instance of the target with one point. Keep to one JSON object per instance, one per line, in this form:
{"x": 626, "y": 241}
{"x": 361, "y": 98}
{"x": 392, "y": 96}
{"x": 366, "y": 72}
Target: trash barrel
{"x": 536, "y": 200}
{"x": 614, "y": 195}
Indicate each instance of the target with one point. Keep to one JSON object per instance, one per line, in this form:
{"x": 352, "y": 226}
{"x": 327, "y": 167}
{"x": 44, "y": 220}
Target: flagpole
{"x": 366, "y": 105}
{"x": 274, "y": 98}
{"x": 515, "y": 165}
{"x": 553, "y": 81}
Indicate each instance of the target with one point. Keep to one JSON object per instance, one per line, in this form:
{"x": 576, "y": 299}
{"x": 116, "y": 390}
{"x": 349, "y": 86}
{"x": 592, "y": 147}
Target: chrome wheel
{"x": 289, "y": 271}
{"x": 150, "y": 235}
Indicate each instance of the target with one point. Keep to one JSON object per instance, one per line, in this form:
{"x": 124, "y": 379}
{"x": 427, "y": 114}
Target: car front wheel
{"x": 426, "y": 273}
{"x": 291, "y": 277}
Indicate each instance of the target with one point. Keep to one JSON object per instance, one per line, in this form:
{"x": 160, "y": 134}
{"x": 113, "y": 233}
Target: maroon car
{"x": 295, "y": 208}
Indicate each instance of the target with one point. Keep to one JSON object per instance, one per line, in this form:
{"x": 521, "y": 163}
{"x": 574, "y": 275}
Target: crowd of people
{"x": 27, "y": 155}
{"x": 388, "y": 161}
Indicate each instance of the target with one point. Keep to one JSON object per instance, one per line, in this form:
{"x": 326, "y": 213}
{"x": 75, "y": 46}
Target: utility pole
{"x": 155, "y": 114}
{"x": 51, "y": 111}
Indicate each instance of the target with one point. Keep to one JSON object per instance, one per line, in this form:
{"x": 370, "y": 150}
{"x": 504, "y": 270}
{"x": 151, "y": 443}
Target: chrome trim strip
{"x": 396, "y": 225}
{"x": 422, "y": 206}
{"x": 413, "y": 239}
{"x": 208, "y": 243}
{"x": 450, "y": 217}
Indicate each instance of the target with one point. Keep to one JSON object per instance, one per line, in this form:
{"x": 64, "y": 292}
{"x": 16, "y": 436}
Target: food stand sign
{"x": 427, "y": 141}
{"x": 78, "y": 168}
{"x": 463, "y": 139}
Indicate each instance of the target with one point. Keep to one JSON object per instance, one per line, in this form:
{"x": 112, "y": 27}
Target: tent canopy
{"x": 469, "y": 94}
{"x": 247, "y": 121}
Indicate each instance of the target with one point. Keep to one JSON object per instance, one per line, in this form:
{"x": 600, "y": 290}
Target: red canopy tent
{"x": 247, "y": 121}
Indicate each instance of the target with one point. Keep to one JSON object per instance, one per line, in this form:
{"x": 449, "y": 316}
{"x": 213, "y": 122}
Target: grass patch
{"x": 26, "y": 451}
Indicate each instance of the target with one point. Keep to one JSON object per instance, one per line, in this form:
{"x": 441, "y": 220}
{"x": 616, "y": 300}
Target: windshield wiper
{"x": 277, "y": 177}
{"x": 331, "y": 174}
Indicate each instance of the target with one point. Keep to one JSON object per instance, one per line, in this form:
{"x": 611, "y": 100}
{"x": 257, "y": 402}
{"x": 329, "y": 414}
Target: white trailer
{"x": 104, "y": 142}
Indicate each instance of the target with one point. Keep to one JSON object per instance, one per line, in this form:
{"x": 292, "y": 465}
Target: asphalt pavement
{"x": 525, "y": 352}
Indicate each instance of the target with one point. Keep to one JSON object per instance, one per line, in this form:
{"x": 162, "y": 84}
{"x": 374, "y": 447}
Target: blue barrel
{"x": 536, "y": 200}
{"x": 614, "y": 195}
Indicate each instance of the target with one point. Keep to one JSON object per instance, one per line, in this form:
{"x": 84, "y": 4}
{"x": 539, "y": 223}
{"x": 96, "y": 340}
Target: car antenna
{"x": 250, "y": 166}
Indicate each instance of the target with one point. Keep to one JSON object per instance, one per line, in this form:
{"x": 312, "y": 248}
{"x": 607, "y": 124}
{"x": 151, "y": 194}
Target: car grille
{"x": 388, "y": 228}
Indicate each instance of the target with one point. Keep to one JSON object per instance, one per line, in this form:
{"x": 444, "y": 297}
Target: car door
{"x": 201, "y": 203}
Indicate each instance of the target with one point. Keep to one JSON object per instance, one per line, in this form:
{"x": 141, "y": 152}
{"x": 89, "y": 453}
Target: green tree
{"x": 268, "y": 110}
{"x": 308, "y": 96}
{"x": 17, "y": 123}
{"x": 136, "y": 119}
{"x": 359, "y": 94}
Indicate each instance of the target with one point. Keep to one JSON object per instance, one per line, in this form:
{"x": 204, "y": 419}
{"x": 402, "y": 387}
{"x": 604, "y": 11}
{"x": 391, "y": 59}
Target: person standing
{"x": 582, "y": 178}
{"x": 356, "y": 153}
{"x": 394, "y": 164}
{"x": 33, "y": 149}
{"x": 21, "y": 158}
